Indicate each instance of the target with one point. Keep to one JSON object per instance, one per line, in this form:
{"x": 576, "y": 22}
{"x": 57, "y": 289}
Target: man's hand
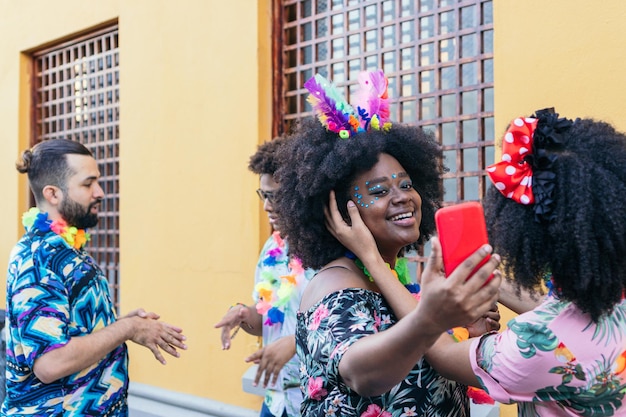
{"x": 272, "y": 358}
{"x": 238, "y": 316}
{"x": 140, "y": 312}
{"x": 156, "y": 335}
{"x": 84, "y": 351}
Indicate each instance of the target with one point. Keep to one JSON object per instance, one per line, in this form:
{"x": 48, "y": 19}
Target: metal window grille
{"x": 437, "y": 54}
{"x": 76, "y": 96}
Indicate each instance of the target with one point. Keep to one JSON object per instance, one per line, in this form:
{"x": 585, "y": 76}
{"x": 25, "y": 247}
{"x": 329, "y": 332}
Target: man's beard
{"x": 75, "y": 215}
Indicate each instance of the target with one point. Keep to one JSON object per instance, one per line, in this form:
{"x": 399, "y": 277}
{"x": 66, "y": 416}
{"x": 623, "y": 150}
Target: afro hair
{"x": 584, "y": 246}
{"x": 316, "y": 161}
{"x": 265, "y": 159}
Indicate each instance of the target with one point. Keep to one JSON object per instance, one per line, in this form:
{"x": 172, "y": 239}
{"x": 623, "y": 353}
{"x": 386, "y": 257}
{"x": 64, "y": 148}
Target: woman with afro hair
{"x": 557, "y": 217}
{"x": 361, "y": 335}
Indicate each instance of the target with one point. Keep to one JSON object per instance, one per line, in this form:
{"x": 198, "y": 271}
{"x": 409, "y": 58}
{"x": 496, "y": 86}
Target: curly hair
{"x": 584, "y": 246}
{"x": 316, "y": 161}
{"x": 264, "y": 160}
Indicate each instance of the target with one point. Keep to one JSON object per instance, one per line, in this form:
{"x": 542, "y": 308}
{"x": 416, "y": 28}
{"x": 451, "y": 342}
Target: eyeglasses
{"x": 265, "y": 195}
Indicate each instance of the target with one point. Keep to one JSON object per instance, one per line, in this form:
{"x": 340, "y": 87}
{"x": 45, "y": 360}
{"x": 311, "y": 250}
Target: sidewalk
{"x": 148, "y": 401}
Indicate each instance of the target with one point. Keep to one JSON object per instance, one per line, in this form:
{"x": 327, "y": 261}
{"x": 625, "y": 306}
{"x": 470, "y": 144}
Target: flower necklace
{"x": 400, "y": 271}
{"x": 275, "y": 291}
{"x": 75, "y": 238}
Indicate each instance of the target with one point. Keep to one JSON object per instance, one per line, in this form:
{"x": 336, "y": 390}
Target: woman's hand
{"x": 460, "y": 298}
{"x": 356, "y": 238}
{"x": 489, "y": 322}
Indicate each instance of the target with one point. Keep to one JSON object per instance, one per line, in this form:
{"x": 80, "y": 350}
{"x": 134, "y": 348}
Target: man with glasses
{"x": 279, "y": 283}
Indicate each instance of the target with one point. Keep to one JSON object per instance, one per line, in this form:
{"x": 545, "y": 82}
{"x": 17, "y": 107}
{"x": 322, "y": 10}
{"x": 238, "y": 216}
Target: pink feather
{"x": 372, "y": 95}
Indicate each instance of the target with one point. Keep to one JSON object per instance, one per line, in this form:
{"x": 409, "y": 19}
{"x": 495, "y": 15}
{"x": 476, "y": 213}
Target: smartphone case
{"x": 462, "y": 231}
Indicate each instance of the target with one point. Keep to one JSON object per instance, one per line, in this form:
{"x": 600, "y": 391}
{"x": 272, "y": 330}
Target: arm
{"x": 239, "y": 316}
{"x": 519, "y": 300}
{"x": 377, "y": 362}
{"x": 84, "y": 351}
{"x": 374, "y": 364}
{"x": 459, "y": 369}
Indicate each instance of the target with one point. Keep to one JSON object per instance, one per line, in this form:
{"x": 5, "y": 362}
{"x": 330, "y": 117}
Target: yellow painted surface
{"x": 195, "y": 79}
{"x": 196, "y": 100}
{"x": 566, "y": 54}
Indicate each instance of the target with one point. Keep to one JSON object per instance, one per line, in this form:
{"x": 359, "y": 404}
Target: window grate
{"x": 437, "y": 54}
{"x": 76, "y": 96}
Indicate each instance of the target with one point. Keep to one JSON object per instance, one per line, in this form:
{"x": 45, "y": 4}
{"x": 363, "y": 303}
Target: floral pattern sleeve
{"x": 555, "y": 361}
{"x": 335, "y": 324}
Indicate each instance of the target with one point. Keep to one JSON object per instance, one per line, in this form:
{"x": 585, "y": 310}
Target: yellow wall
{"x": 195, "y": 79}
{"x": 196, "y": 99}
{"x": 566, "y": 54}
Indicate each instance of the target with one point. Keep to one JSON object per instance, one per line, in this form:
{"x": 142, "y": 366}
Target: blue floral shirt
{"x": 328, "y": 329}
{"x": 54, "y": 293}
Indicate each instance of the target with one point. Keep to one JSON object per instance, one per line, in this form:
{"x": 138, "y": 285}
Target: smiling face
{"x": 389, "y": 205}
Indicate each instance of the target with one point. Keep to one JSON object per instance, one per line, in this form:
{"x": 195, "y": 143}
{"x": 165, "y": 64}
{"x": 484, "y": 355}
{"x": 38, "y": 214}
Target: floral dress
{"x": 328, "y": 329}
{"x": 554, "y": 361}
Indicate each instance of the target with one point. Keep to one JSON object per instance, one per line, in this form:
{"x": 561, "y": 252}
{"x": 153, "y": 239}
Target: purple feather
{"x": 331, "y": 108}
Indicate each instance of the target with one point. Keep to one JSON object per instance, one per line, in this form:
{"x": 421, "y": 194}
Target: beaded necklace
{"x": 74, "y": 237}
{"x": 274, "y": 290}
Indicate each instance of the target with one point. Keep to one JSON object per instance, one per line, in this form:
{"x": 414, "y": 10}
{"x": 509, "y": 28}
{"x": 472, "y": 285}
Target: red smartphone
{"x": 462, "y": 231}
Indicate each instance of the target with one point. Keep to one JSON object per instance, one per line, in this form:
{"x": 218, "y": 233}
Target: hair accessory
{"x": 512, "y": 176}
{"x": 525, "y": 173}
{"x": 337, "y": 115}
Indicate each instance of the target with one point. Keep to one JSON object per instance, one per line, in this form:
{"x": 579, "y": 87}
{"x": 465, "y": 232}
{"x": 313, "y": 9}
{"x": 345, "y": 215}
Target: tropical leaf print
{"x": 533, "y": 337}
{"x": 612, "y": 327}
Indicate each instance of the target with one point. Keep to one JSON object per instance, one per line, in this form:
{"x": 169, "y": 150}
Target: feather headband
{"x": 337, "y": 115}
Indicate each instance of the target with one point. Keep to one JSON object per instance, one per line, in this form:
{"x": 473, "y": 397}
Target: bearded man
{"x": 66, "y": 350}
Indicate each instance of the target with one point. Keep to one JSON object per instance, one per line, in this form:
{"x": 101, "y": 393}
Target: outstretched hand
{"x": 356, "y": 237}
{"x": 272, "y": 358}
{"x": 230, "y": 323}
{"x": 156, "y": 335}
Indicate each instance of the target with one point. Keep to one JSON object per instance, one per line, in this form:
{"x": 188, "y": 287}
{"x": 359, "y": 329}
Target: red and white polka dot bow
{"x": 512, "y": 175}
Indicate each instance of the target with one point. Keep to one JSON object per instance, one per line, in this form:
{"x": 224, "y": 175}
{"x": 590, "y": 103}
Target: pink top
{"x": 554, "y": 361}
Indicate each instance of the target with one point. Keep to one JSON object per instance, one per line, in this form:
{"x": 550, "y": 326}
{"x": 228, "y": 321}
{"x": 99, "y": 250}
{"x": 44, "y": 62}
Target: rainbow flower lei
{"x": 75, "y": 238}
{"x": 275, "y": 291}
